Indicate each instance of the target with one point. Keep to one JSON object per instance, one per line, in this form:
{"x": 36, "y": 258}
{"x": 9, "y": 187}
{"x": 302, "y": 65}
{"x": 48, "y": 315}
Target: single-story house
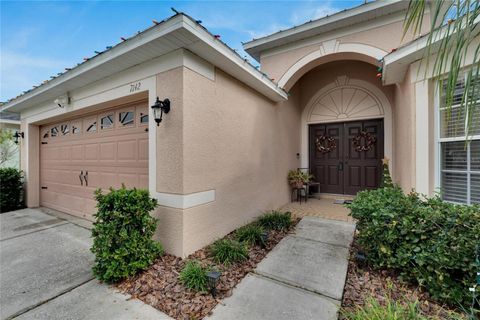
{"x": 221, "y": 155}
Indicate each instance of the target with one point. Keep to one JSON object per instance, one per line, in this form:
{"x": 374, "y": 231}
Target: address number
{"x": 135, "y": 86}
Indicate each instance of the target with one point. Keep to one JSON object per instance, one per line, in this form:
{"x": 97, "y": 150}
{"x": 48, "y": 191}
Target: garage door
{"x": 99, "y": 150}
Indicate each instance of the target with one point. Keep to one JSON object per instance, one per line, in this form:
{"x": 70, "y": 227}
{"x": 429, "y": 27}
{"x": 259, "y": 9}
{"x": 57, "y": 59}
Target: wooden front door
{"x": 346, "y": 157}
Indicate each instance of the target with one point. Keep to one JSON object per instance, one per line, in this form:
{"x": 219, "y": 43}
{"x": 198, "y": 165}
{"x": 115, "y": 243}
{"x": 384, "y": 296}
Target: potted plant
{"x": 298, "y": 178}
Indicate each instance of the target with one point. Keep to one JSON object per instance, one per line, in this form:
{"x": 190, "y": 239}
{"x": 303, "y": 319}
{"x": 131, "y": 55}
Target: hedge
{"x": 429, "y": 241}
{"x": 11, "y": 189}
{"x": 122, "y": 234}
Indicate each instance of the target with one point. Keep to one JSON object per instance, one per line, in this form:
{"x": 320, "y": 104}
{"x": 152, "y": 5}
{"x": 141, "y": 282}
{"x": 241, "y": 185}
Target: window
{"x": 143, "y": 118}
{"x": 126, "y": 118}
{"x": 54, "y": 132}
{"x": 92, "y": 127}
{"x": 460, "y": 156}
{"x": 64, "y": 129}
{"x": 106, "y": 122}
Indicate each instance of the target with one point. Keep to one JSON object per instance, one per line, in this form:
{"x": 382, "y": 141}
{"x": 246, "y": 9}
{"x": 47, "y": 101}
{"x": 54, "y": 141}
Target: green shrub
{"x": 194, "y": 276}
{"x": 250, "y": 234}
{"x": 227, "y": 251}
{"x": 430, "y": 241}
{"x": 275, "y": 220}
{"x": 122, "y": 234}
{"x": 11, "y": 189}
{"x": 392, "y": 310}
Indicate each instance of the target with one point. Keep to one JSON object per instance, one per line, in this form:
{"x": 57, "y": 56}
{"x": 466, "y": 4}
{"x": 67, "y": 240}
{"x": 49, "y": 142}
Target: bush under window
{"x": 430, "y": 241}
{"x": 11, "y": 189}
{"x": 122, "y": 234}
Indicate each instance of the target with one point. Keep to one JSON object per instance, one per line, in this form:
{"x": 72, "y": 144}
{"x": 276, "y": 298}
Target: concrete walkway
{"x": 45, "y": 265}
{"x": 301, "y": 278}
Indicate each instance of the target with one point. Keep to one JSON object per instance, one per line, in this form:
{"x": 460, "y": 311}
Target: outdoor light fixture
{"x": 212, "y": 280}
{"x": 159, "y": 108}
{"x": 62, "y": 101}
{"x": 18, "y": 135}
{"x": 264, "y": 236}
{"x": 361, "y": 258}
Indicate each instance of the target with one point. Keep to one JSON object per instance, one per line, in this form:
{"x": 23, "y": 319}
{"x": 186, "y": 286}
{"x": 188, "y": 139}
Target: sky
{"x": 38, "y": 39}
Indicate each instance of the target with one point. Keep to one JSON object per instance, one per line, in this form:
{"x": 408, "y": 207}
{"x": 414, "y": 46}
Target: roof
{"x": 348, "y": 17}
{"x": 178, "y": 31}
{"x": 395, "y": 64}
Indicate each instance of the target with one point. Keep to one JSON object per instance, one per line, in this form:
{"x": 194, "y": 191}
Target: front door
{"x": 346, "y": 157}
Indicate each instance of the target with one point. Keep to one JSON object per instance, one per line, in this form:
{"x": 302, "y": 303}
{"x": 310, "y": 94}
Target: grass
{"x": 194, "y": 276}
{"x": 227, "y": 251}
{"x": 275, "y": 220}
{"x": 250, "y": 234}
{"x": 392, "y": 310}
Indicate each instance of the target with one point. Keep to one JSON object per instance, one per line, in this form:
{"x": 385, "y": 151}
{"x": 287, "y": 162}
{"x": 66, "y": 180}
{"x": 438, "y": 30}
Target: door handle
{"x": 340, "y": 166}
{"x": 81, "y": 176}
{"x": 86, "y": 178}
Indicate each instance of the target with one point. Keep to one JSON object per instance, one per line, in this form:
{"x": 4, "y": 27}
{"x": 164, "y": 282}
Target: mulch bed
{"x": 159, "y": 285}
{"x": 364, "y": 282}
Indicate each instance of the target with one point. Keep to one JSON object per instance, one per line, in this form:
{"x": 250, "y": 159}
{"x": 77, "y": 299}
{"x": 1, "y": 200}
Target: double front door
{"x": 346, "y": 157}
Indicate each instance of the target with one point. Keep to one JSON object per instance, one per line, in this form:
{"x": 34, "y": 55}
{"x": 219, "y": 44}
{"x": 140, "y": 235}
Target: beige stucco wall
{"x": 240, "y": 144}
{"x": 384, "y": 33}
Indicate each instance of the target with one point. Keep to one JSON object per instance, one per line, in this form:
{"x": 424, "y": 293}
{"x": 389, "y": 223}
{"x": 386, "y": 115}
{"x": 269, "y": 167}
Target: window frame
{"x": 438, "y": 149}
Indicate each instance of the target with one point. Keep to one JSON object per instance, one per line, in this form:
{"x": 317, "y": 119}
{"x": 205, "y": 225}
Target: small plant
{"x": 122, "y": 234}
{"x": 11, "y": 189}
{"x": 275, "y": 220}
{"x": 297, "y": 178}
{"x": 227, "y": 251}
{"x": 194, "y": 276}
{"x": 250, "y": 234}
{"x": 392, "y": 310}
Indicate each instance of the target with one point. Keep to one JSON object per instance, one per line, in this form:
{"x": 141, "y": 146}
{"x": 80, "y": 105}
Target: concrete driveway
{"x": 45, "y": 272}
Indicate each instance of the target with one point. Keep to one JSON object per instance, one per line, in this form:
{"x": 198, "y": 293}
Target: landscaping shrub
{"x": 250, "y": 234}
{"x": 429, "y": 241}
{"x": 194, "y": 276}
{"x": 122, "y": 233}
{"x": 11, "y": 189}
{"x": 227, "y": 251}
{"x": 275, "y": 220}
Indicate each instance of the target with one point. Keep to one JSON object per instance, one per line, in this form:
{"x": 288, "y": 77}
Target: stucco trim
{"x": 328, "y": 48}
{"x": 185, "y": 201}
{"x": 345, "y": 82}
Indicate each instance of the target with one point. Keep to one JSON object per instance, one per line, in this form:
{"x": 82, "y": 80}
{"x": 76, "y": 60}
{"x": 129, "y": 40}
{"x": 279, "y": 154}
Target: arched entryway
{"x": 346, "y": 126}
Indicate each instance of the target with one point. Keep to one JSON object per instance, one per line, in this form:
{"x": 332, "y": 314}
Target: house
{"x": 9, "y": 151}
{"x": 221, "y": 154}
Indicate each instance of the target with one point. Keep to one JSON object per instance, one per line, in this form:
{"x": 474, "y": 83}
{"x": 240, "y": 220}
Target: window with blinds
{"x": 460, "y": 156}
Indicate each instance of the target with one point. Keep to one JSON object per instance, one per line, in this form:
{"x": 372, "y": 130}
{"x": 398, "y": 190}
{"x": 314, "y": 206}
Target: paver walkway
{"x": 301, "y": 278}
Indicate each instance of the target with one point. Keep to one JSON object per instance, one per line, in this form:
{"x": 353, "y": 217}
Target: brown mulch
{"x": 159, "y": 285}
{"x": 364, "y": 282}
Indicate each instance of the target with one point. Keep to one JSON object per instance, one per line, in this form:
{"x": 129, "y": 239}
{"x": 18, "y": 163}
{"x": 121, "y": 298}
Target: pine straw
{"x": 159, "y": 286}
{"x": 364, "y": 282}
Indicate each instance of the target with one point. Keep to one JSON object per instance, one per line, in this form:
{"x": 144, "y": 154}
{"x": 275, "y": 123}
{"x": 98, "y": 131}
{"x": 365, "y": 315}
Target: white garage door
{"x": 99, "y": 150}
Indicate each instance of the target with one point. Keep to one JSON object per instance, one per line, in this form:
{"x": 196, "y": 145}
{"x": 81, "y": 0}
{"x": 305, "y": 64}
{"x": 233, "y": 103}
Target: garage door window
{"x": 54, "y": 132}
{"x": 64, "y": 129}
{"x": 106, "y": 122}
{"x": 126, "y": 118}
{"x": 76, "y": 128}
{"x": 91, "y": 126}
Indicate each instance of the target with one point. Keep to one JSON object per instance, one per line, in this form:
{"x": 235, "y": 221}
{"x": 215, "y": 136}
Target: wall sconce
{"x": 18, "y": 135}
{"x": 62, "y": 101}
{"x": 159, "y": 108}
